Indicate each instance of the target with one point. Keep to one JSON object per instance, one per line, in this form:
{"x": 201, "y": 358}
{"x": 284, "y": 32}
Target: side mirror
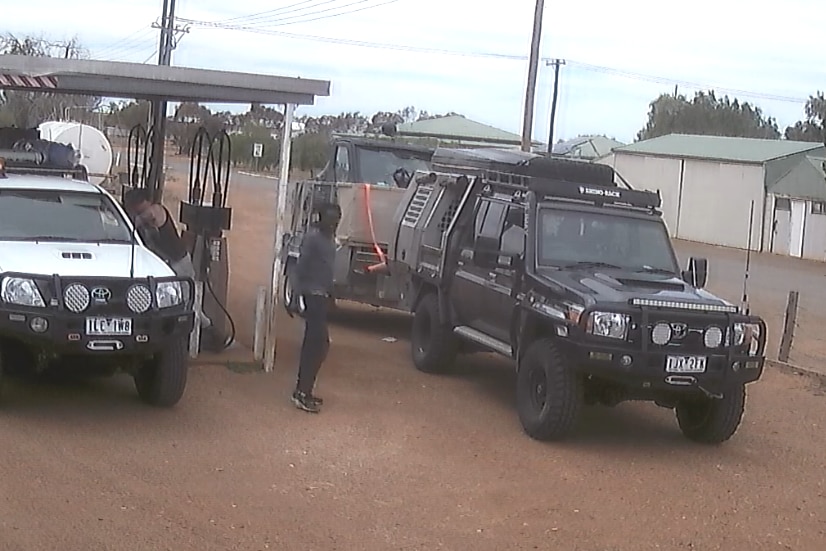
{"x": 697, "y": 273}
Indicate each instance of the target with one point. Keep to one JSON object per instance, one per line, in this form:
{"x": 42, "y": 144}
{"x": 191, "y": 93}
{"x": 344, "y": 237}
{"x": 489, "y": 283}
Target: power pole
{"x": 533, "y": 69}
{"x": 167, "y": 43}
{"x": 556, "y": 63}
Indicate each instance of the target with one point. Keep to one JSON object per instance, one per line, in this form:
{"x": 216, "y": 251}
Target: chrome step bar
{"x": 485, "y": 340}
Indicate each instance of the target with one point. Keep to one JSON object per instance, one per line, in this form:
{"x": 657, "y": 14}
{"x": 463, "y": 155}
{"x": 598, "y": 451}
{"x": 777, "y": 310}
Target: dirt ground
{"x": 397, "y": 459}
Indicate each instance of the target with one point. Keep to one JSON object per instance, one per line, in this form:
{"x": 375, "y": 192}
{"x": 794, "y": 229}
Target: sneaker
{"x": 304, "y": 402}
{"x": 317, "y": 400}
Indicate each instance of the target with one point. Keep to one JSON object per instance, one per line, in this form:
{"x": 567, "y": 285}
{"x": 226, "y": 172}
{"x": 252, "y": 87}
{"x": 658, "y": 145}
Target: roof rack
{"x": 514, "y": 163}
{"x": 36, "y": 163}
{"x": 513, "y": 171}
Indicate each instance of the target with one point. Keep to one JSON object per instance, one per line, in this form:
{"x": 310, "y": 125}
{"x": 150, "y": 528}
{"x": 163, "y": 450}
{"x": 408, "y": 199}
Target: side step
{"x": 487, "y": 341}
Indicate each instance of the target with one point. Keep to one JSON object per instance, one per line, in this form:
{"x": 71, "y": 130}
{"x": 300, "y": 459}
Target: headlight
{"x": 608, "y": 324}
{"x": 21, "y": 291}
{"x": 168, "y": 294}
{"x": 747, "y": 334}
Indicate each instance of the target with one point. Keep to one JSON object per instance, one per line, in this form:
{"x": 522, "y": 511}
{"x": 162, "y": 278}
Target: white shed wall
{"x": 652, "y": 174}
{"x": 704, "y": 201}
{"x": 716, "y": 204}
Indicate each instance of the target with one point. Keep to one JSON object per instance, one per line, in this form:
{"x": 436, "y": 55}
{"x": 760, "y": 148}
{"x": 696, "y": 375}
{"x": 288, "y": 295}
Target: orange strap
{"x": 376, "y": 246}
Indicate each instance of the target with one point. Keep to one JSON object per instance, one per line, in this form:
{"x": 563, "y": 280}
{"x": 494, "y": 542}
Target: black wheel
{"x": 288, "y": 294}
{"x": 433, "y": 345}
{"x": 549, "y": 393}
{"x": 712, "y": 421}
{"x": 162, "y": 381}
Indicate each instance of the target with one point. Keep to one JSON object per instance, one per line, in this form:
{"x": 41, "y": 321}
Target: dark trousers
{"x": 316, "y": 342}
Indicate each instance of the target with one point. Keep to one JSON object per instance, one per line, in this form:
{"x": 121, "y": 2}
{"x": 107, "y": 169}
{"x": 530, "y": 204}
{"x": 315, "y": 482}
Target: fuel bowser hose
{"x": 231, "y": 337}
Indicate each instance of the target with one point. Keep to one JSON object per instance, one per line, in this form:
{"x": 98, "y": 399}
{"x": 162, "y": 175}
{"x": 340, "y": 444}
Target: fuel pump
{"x": 138, "y": 157}
{"x": 206, "y": 222}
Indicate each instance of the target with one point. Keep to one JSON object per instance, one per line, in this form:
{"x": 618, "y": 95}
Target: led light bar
{"x": 677, "y": 305}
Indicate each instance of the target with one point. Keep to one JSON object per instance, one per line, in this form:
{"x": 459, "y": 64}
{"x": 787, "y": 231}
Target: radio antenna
{"x": 748, "y": 261}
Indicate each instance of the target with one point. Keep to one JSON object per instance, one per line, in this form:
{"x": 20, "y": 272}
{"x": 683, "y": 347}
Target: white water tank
{"x": 95, "y": 149}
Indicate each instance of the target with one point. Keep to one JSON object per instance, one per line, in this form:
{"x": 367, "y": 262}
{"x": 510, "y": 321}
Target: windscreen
{"x": 566, "y": 237}
{"x": 378, "y": 166}
{"x": 28, "y": 215}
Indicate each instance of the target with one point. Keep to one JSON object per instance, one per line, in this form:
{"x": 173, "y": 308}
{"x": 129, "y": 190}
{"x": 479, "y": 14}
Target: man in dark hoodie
{"x": 314, "y": 281}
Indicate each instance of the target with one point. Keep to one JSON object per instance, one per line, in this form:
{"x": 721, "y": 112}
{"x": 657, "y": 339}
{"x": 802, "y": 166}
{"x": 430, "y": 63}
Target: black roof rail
{"x": 521, "y": 163}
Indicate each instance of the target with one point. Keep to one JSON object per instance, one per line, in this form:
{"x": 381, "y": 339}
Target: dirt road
{"x": 397, "y": 460}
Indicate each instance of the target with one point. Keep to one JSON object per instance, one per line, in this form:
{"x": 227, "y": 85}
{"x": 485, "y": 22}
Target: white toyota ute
{"x": 79, "y": 289}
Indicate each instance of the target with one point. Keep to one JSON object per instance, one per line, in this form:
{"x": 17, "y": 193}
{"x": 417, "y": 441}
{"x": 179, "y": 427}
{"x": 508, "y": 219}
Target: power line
{"x": 148, "y": 59}
{"x": 128, "y": 51}
{"x": 279, "y": 20}
{"x": 253, "y": 16}
{"x": 128, "y": 44}
{"x": 283, "y": 22}
{"x": 495, "y": 55}
{"x": 264, "y": 16}
{"x": 121, "y": 41}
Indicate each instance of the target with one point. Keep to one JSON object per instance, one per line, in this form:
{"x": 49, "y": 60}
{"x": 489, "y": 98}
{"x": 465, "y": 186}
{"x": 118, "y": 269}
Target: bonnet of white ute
{"x": 50, "y": 224}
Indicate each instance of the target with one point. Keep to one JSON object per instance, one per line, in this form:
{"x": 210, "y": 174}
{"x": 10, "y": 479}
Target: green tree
{"x": 705, "y": 114}
{"x": 310, "y": 151}
{"x": 29, "y": 109}
{"x": 130, "y": 114}
{"x": 813, "y": 127}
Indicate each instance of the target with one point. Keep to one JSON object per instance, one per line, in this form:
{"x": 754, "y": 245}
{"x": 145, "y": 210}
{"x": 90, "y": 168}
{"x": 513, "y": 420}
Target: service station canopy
{"x": 116, "y": 79}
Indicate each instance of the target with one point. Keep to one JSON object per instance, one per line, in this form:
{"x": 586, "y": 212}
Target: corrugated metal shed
{"x": 718, "y": 148}
{"x": 460, "y": 129}
{"x": 807, "y": 180}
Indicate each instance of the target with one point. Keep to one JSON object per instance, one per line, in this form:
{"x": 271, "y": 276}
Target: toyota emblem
{"x": 101, "y": 295}
{"x": 680, "y": 330}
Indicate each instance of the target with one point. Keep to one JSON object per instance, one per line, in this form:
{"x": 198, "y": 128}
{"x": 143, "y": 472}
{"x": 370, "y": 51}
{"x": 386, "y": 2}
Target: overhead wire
{"x": 285, "y": 21}
{"x": 121, "y": 41}
{"x": 254, "y": 16}
{"x": 269, "y": 15}
{"x": 631, "y": 75}
{"x": 136, "y": 45}
{"x": 278, "y": 20}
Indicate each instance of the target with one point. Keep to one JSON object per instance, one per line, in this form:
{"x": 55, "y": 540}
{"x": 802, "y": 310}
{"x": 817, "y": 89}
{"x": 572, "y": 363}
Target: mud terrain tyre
{"x": 711, "y": 421}
{"x": 162, "y": 381}
{"x": 549, "y": 392}
{"x": 432, "y": 343}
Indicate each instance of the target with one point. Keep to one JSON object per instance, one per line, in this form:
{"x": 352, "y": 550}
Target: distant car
{"x": 77, "y": 284}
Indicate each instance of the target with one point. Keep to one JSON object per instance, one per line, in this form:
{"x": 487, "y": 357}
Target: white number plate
{"x": 108, "y": 327}
{"x": 685, "y": 364}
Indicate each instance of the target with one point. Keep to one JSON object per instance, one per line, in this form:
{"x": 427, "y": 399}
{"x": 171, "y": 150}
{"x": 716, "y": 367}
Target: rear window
{"x": 29, "y": 215}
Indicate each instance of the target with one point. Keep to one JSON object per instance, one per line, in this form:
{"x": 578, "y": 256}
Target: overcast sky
{"x": 620, "y": 55}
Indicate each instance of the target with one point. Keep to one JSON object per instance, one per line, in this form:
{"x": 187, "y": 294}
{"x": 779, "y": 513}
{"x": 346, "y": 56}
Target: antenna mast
{"x": 748, "y": 261}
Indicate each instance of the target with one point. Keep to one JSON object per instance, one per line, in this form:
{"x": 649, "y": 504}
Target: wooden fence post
{"x": 789, "y": 324}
